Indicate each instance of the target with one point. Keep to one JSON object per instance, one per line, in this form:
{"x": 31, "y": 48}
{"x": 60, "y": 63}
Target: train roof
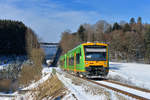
{"x": 88, "y": 43}
{"x": 92, "y": 43}
{"x": 83, "y": 44}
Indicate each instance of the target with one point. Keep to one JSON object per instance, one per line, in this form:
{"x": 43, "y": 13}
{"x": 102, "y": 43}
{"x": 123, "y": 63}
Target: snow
{"x": 1, "y": 67}
{"x": 46, "y": 70}
{"x": 69, "y": 96}
{"x": 131, "y": 73}
{"x": 78, "y": 91}
{"x": 75, "y": 89}
{"x": 5, "y": 98}
{"x": 34, "y": 85}
{"x": 133, "y": 91}
{"x": 46, "y": 74}
{"x": 4, "y": 66}
{"x": 81, "y": 94}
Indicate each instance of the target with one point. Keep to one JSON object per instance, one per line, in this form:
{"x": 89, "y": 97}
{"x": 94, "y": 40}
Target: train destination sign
{"x": 95, "y": 50}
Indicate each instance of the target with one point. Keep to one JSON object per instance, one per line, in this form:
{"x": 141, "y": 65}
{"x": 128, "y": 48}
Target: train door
{"x": 75, "y": 62}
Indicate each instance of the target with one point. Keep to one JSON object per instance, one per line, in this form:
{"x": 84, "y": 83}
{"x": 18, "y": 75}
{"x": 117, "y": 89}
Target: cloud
{"x": 47, "y": 22}
{"x": 48, "y": 19}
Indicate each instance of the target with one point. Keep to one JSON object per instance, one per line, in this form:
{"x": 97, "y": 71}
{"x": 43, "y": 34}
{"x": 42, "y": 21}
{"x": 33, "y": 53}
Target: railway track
{"x": 7, "y": 95}
{"x": 129, "y": 86}
{"x": 124, "y": 91}
{"x": 131, "y": 91}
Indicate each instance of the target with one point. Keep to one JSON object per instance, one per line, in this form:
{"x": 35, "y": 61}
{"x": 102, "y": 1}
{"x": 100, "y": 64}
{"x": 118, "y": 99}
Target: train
{"x": 87, "y": 60}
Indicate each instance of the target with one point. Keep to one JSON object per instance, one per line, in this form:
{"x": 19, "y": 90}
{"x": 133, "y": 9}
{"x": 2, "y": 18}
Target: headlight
{"x": 86, "y": 63}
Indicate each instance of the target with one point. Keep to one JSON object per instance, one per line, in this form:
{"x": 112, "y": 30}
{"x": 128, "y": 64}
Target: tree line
{"x": 128, "y": 41}
{"x": 16, "y": 38}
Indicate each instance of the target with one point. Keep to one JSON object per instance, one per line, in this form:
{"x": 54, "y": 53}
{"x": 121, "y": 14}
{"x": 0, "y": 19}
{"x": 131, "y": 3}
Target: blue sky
{"x": 48, "y": 18}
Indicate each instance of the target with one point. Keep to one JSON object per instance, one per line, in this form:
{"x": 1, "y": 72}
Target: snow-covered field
{"x": 131, "y": 73}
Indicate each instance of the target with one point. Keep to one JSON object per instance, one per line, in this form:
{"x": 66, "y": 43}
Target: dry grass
{"x": 76, "y": 82}
{"x": 120, "y": 97}
{"x": 5, "y": 84}
{"x": 28, "y": 74}
{"x": 50, "y": 89}
{"x": 32, "y": 72}
{"x": 8, "y": 84}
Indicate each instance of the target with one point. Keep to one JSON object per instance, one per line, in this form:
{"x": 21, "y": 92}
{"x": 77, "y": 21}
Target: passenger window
{"x": 71, "y": 61}
{"x": 78, "y": 55}
{"x": 78, "y": 58}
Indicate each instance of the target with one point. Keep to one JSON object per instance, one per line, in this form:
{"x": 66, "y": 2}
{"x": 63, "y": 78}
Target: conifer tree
{"x": 132, "y": 21}
{"x": 126, "y": 27}
{"x": 139, "y": 20}
{"x": 139, "y": 24}
{"x": 147, "y": 45}
{"x": 81, "y": 32}
{"x": 116, "y": 26}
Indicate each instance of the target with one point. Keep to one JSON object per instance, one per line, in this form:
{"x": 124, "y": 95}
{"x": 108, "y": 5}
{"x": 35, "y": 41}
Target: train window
{"x": 95, "y": 53}
{"x": 71, "y": 61}
{"x": 78, "y": 57}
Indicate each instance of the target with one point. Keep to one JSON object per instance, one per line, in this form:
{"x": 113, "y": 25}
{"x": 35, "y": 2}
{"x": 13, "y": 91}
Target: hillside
{"x": 128, "y": 41}
{"x": 16, "y": 38}
{"x": 20, "y": 53}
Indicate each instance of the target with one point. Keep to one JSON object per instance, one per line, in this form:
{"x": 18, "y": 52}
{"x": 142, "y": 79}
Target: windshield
{"x": 96, "y": 53}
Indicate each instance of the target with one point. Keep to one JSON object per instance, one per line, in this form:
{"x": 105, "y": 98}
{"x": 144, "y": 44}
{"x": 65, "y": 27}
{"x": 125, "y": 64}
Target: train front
{"x": 96, "y": 59}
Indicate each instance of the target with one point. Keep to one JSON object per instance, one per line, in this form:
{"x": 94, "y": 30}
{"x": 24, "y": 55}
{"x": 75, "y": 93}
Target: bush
{"x": 52, "y": 88}
{"x": 32, "y": 72}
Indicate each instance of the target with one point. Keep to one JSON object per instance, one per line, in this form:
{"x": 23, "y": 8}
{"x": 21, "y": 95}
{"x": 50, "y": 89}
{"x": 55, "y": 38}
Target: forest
{"x": 16, "y": 38}
{"x": 20, "y": 55}
{"x": 128, "y": 41}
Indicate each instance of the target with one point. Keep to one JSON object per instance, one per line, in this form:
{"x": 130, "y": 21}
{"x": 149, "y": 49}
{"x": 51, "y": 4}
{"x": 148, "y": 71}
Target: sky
{"x": 49, "y": 18}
